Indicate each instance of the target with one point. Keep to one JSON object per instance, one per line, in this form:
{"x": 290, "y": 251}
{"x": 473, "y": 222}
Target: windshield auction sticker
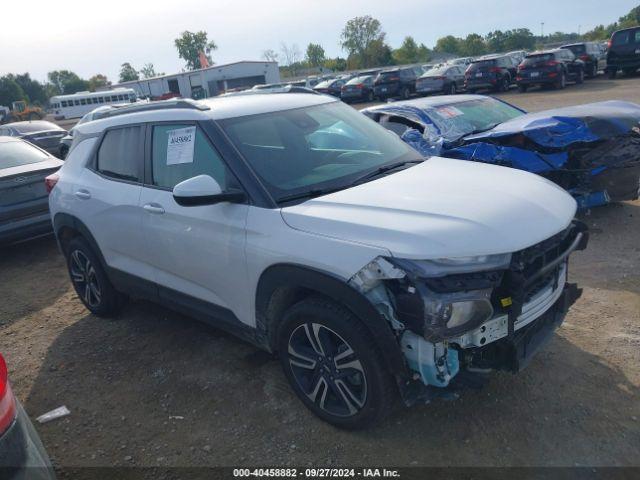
{"x": 180, "y": 144}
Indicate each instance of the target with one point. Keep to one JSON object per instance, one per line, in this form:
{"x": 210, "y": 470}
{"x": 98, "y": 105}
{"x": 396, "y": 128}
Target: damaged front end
{"x": 458, "y": 319}
{"x": 592, "y": 151}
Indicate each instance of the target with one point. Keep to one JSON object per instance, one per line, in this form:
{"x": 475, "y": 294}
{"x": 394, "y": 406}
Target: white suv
{"x": 314, "y": 233}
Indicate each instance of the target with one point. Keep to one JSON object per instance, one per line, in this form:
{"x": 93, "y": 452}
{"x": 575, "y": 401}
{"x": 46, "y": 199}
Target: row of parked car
{"x": 497, "y": 72}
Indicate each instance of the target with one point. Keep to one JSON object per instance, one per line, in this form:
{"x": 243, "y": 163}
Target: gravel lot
{"x": 155, "y": 388}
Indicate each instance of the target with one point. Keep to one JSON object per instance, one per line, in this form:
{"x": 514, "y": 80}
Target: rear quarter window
{"x": 120, "y": 154}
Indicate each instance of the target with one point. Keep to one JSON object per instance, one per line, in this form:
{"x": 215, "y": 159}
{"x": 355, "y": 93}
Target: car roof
{"x": 34, "y": 126}
{"x": 216, "y": 108}
{"x": 430, "y": 102}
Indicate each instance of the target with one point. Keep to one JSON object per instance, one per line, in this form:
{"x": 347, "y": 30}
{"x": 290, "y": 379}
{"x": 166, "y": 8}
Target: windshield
{"x": 17, "y": 153}
{"x": 357, "y": 80}
{"x": 38, "y": 126}
{"x": 482, "y": 64}
{"x": 576, "y": 49}
{"x": 436, "y": 72}
{"x": 538, "y": 58}
{"x": 325, "y": 146}
{"x": 462, "y": 118}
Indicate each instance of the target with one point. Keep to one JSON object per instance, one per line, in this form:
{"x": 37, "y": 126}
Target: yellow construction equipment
{"x": 20, "y": 111}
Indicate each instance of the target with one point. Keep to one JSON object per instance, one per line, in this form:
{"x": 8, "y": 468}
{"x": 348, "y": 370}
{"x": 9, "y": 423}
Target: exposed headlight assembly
{"x": 464, "y": 304}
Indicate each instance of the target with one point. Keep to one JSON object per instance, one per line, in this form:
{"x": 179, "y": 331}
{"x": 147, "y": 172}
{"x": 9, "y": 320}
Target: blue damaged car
{"x": 592, "y": 150}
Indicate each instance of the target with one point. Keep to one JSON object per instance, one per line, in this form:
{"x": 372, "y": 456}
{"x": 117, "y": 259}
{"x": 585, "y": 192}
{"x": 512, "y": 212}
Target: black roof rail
{"x": 151, "y": 106}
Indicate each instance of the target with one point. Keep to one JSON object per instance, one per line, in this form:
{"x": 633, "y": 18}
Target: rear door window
{"x": 120, "y": 154}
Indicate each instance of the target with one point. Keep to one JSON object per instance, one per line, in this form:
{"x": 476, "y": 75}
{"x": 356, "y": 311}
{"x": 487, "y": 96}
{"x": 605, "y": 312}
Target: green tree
{"x": 190, "y": 44}
{"x": 424, "y": 54}
{"x": 66, "y": 82}
{"x": 10, "y": 91}
{"x": 315, "y": 55}
{"x": 98, "y": 81}
{"x": 378, "y": 53}
{"x": 496, "y": 41}
{"x": 407, "y": 53}
{"x": 128, "y": 73}
{"x": 148, "y": 71}
{"x": 448, "y": 44}
{"x": 357, "y": 37}
{"x": 519, "y": 39}
{"x": 33, "y": 90}
{"x": 473, "y": 45}
{"x": 337, "y": 64}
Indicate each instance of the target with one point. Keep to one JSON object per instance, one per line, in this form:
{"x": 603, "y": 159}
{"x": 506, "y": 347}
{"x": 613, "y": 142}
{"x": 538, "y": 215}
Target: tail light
{"x": 495, "y": 70}
{"x": 393, "y": 79}
{"x": 51, "y": 182}
{"x": 584, "y": 57}
{"x": 7, "y": 400}
{"x": 552, "y": 63}
{"x": 521, "y": 67}
{"x": 359, "y": 86}
{"x": 609, "y": 43}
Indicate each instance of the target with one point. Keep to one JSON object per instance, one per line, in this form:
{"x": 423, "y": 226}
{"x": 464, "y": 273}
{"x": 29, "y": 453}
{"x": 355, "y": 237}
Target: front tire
{"x": 90, "y": 281}
{"x": 562, "y": 81}
{"x": 333, "y": 364}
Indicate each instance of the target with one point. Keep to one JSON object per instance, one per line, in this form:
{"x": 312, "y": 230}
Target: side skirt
{"x": 206, "y": 312}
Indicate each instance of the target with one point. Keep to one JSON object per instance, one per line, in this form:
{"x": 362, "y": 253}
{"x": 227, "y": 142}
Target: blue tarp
{"x": 561, "y": 127}
{"x": 543, "y": 138}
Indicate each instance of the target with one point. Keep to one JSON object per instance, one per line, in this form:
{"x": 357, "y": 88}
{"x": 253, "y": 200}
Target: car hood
{"x": 441, "y": 208}
{"x": 561, "y": 127}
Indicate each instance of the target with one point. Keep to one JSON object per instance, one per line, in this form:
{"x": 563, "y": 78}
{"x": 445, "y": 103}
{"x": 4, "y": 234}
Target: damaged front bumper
{"x": 529, "y": 299}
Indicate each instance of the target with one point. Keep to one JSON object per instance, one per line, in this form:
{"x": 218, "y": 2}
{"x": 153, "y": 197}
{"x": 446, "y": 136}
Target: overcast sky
{"x": 44, "y": 35}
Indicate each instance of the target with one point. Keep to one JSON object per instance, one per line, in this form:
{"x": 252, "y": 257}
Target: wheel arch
{"x": 283, "y": 285}
{"x": 66, "y": 227}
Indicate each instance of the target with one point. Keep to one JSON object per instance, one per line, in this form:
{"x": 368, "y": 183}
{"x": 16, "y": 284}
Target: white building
{"x": 207, "y": 82}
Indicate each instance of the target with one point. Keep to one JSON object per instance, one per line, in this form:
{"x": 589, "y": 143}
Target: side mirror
{"x": 204, "y": 190}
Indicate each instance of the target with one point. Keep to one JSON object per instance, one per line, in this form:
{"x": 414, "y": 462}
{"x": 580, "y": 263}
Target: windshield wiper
{"x": 314, "y": 192}
{"x": 384, "y": 169}
{"x": 480, "y": 130}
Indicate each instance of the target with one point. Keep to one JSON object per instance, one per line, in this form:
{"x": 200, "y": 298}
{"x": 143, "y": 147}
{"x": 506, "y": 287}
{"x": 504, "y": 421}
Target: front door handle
{"x": 83, "y": 194}
{"x": 153, "y": 208}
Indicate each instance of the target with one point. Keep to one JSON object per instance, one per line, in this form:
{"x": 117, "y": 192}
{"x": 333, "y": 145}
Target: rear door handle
{"x": 83, "y": 194}
{"x": 153, "y": 208}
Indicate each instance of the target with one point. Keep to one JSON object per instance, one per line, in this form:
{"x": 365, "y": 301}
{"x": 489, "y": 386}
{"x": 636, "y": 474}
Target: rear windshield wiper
{"x": 384, "y": 169}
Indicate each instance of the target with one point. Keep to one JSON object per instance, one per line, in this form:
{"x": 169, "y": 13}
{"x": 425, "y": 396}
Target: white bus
{"x": 76, "y": 105}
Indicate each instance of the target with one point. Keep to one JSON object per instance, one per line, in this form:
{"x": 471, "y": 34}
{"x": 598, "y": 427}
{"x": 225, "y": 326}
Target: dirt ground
{"x": 154, "y": 388}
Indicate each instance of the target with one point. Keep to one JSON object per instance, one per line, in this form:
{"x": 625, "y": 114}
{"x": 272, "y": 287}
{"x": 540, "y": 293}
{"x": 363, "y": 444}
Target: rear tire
{"x": 611, "y": 73}
{"x": 523, "y": 88}
{"x": 562, "y": 81}
{"x": 594, "y": 71}
{"x": 405, "y": 93}
{"x": 333, "y": 364}
{"x": 452, "y": 88}
{"x": 90, "y": 281}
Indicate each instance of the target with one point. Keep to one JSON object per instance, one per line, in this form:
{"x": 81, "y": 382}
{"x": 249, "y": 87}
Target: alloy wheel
{"x": 327, "y": 369}
{"x": 84, "y": 278}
